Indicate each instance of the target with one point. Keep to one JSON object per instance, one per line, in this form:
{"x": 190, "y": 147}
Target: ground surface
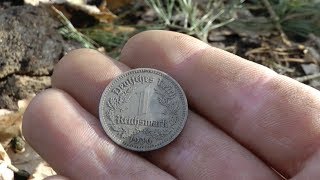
{"x": 30, "y": 46}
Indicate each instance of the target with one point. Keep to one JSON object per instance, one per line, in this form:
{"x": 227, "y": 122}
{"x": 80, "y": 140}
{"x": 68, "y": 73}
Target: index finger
{"x": 275, "y": 117}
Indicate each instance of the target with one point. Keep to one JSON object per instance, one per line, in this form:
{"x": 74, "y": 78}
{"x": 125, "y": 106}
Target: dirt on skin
{"x": 30, "y": 46}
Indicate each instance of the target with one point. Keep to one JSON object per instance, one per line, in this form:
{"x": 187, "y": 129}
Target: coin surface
{"x": 143, "y": 109}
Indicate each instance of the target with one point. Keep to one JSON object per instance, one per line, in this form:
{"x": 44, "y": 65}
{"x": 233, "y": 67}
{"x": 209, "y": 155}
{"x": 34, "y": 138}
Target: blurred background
{"x": 283, "y": 35}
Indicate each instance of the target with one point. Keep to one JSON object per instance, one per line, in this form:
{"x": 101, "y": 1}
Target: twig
{"x": 71, "y": 32}
{"x": 12, "y": 168}
{"x": 275, "y": 18}
{"x": 308, "y": 77}
{"x": 298, "y": 60}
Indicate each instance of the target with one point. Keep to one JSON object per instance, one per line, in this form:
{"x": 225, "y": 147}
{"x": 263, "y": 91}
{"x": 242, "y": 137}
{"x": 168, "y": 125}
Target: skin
{"x": 246, "y": 121}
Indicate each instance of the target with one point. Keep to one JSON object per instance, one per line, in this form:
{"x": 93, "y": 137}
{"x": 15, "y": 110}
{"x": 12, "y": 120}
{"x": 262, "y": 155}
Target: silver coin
{"x": 143, "y": 109}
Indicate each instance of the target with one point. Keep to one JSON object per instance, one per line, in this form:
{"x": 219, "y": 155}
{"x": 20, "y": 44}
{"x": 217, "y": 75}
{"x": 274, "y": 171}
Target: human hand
{"x": 245, "y": 120}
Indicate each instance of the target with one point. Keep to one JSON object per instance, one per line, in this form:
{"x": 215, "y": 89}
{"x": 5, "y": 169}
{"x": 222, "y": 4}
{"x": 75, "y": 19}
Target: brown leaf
{"x": 72, "y": 11}
{"x": 10, "y": 122}
{"x": 5, "y": 173}
{"x": 115, "y": 4}
{"x": 105, "y": 16}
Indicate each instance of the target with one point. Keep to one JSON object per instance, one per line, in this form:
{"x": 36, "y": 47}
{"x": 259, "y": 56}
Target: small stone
{"x": 310, "y": 68}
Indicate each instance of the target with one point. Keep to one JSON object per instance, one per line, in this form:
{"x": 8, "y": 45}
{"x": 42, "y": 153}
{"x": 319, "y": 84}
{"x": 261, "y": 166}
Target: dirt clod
{"x": 30, "y": 46}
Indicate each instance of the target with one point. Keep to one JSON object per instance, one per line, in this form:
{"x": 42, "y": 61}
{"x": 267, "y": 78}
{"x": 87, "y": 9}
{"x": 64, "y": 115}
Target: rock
{"x": 8, "y": 3}
{"x": 18, "y": 87}
{"x": 8, "y": 102}
{"x": 29, "y": 41}
{"x": 30, "y": 46}
{"x": 310, "y": 68}
{"x": 9, "y": 57}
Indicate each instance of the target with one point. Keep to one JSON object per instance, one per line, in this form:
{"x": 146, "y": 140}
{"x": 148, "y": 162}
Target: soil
{"x": 30, "y": 46}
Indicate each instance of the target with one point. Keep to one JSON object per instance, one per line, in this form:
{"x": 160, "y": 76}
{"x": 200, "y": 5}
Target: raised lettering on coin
{"x": 143, "y": 109}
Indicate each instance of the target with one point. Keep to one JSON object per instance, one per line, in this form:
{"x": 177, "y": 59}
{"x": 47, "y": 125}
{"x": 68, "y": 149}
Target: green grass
{"x": 111, "y": 41}
{"x": 93, "y": 37}
{"x": 70, "y": 32}
{"x": 296, "y": 17}
{"x": 189, "y": 17}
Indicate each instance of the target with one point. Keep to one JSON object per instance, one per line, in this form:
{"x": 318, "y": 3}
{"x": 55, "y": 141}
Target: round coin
{"x": 143, "y": 109}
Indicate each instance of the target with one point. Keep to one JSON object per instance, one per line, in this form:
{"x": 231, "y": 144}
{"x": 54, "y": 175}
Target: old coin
{"x": 143, "y": 109}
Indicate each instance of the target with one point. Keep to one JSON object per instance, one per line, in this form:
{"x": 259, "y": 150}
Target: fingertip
{"x": 35, "y": 110}
{"x": 79, "y": 54}
{"x": 72, "y": 59}
{"x": 83, "y": 74}
{"x": 171, "y": 47}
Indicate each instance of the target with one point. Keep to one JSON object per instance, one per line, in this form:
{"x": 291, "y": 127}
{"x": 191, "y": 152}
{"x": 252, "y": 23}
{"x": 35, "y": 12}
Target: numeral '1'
{"x": 143, "y": 97}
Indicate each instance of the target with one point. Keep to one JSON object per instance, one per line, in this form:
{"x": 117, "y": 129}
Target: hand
{"x": 245, "y": 120}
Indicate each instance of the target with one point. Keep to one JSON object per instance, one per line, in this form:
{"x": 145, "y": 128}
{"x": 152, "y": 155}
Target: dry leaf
{"x": 115, "y": 4}
{"x": 105, "y": 17}
{"x": 68, "y": 7}
{"x": 37, "y": 2}
{"x": 29, "y": 160}
{"x": 10, "y": 126}
{"x": 10, "y": 122}
{"x": 5, "y": 173}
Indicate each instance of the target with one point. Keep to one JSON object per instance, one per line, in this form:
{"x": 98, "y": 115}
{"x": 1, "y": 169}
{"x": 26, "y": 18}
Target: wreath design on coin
{"x": 167, "y": 98}
{"x": 117, "y": 103}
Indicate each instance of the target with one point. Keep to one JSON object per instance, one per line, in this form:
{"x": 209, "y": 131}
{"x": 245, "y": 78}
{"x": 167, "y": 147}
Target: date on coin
{"x": 143, "y": 109}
